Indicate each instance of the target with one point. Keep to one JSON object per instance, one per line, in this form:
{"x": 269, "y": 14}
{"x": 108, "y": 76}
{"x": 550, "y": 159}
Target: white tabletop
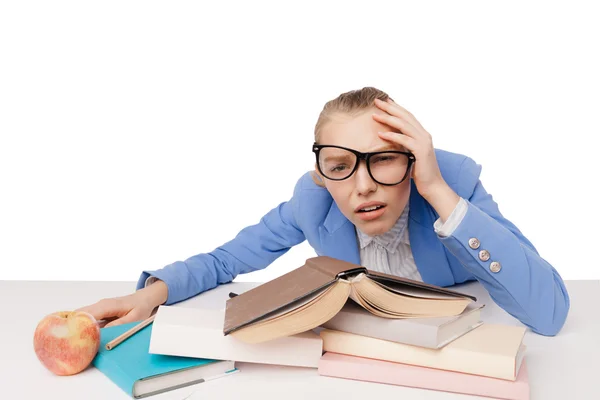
{"x": 562, "y": 367}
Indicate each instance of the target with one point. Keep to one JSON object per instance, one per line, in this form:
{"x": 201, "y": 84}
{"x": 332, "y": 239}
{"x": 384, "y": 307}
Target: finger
{"x": 105, "y": 309}
{"x": 395, "y": 122}
{"x": 395, "y": 109}
{"x": 410, "y": 117}
{"x": 103, "y": 323}
{"x": 398, "y": 138}
{"x": 131, "y": 317}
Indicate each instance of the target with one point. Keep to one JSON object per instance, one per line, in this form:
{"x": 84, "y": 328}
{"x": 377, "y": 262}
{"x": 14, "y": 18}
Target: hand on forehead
{"x": 358, "y": 132}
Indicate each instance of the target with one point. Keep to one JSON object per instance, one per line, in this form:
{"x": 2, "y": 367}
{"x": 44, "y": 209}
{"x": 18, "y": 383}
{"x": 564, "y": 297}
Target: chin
{"x": 375, "y": 228}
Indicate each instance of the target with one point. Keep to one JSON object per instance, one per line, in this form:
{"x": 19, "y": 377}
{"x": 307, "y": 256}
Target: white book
{"x": 492, "y": 350}
{"x": 433, "y": 333}
{"x": 198, "y": 332}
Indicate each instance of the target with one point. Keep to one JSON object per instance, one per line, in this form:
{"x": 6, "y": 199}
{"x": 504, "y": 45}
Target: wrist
{"x": 434, "y": 191}
{"x": 443, "y": 199}
{"x": 155, "y": 294}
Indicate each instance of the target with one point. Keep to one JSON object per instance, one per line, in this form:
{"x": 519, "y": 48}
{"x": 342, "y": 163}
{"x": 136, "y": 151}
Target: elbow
{"x": 551, "y": 321}
{"x": 551, "y": 328}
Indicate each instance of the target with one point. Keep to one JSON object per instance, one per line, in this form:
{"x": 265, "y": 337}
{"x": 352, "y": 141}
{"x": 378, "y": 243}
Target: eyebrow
{"x": 336, "y": 158}
{"x": 383, "y": 148}
{"x": 388, "y": 147}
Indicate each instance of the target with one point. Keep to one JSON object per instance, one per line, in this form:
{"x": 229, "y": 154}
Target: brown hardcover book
{"x": 310, "y": 295}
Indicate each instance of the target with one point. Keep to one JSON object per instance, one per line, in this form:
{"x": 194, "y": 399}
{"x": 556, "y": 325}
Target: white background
{"x": 135, "y": 134}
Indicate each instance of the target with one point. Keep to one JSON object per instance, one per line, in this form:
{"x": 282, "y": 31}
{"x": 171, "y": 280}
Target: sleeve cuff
{"x": 446, "y": 229}
{"x": 150, "y": 280}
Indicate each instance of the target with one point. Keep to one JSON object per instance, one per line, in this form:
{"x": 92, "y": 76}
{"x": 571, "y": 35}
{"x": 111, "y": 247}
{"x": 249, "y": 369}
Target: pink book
{"x": 371, "y": 370}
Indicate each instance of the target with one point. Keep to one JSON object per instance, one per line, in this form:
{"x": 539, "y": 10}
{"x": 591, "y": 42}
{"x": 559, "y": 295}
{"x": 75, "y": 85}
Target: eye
{"x": 384, "y": 158}
{"x": 338, "y": 168}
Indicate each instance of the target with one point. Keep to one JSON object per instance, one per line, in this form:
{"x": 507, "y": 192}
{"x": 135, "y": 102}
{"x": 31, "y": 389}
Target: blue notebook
{"x": 140, "y": 374}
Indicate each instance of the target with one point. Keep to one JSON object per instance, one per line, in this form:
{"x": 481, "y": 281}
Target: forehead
{"x": 357, "y": 132}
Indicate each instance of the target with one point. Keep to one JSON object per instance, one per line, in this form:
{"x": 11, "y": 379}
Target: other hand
{"x": 426, "y": 172}
{"x": 129, "y": 308}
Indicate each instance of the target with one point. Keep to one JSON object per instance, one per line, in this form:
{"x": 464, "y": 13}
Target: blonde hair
{"x": 351, "y": 103}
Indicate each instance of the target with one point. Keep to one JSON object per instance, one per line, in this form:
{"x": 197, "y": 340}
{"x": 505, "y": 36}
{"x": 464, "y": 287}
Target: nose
{"x": 363, "y": 182}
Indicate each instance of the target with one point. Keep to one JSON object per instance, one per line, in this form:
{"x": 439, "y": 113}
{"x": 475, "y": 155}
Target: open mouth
{"x": 369, "y": 209}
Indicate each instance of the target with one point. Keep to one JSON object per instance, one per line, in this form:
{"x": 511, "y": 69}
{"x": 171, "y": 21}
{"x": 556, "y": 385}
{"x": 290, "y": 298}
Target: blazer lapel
{"x": 338, "y": 240}
{"x": 428, "y": 251}
{"x": 338, "y": 236}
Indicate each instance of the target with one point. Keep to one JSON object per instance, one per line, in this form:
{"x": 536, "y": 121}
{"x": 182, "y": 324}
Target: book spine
{"x": 303, "y": 350}
{"x": 349, "y": 367}
{"x": 446, "y": 358}
{"x": 392, "y": 330}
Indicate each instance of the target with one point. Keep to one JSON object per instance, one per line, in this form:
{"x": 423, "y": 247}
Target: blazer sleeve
{"x": 253, "y": 248}
{"x": 517, "y": 278}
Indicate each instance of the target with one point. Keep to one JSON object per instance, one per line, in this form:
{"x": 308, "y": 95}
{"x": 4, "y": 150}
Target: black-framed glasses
{"x": 388, "y": 167}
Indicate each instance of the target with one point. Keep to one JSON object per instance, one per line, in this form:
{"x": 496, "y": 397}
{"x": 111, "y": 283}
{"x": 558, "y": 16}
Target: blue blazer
{"x": 526, "y": 286}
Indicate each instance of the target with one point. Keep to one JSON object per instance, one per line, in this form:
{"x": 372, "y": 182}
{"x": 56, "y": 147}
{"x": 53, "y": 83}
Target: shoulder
{"x": 306, "y": 186}
{"x": 311, "y": 202}
{"x": 459, "y": 171}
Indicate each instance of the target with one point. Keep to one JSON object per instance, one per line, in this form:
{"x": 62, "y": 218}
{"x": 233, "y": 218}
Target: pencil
{"x": 125, "y": 335}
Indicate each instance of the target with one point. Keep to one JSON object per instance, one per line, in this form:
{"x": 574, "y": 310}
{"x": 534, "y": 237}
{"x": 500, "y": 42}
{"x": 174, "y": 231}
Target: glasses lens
{"x": 336, "y": 163}
{"x": 389, "y": 168}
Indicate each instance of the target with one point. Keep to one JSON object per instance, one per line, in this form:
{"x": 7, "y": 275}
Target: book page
{"x": 399, "y": 304}
{"x": 412, "y": 291}
{"x": 298, "y": 319}
{"x": 519, "y": 359}
{"x": 380, "y": 312}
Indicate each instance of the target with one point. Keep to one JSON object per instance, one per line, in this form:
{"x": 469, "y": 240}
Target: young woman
{"x": 381, "y": 196}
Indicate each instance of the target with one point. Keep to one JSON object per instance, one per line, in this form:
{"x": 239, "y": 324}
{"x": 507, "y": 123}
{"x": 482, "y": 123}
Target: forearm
{"x": 517, "y": 278}
{"x": 253, "y": 248}
{"x": 195, "y": 275}
{"x": 155, "y": 294}
{"x": 443, "y": 200}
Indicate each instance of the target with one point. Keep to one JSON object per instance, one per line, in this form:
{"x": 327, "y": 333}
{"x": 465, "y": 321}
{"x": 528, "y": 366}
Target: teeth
{"x": 370, "y": 208}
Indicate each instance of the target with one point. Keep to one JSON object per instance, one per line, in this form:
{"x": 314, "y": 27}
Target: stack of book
{"x": 486, "y": 361}
{"x": 353, "y": 323}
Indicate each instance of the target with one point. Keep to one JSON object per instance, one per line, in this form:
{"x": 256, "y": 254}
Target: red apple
{"x": 66, "y": 342}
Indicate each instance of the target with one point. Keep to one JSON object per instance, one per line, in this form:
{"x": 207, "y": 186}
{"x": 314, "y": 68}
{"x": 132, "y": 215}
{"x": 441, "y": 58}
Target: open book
{"x": 312, "y": 294}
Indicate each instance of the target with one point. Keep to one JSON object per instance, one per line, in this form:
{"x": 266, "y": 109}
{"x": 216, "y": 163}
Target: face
{"x": 360, "y": 133}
